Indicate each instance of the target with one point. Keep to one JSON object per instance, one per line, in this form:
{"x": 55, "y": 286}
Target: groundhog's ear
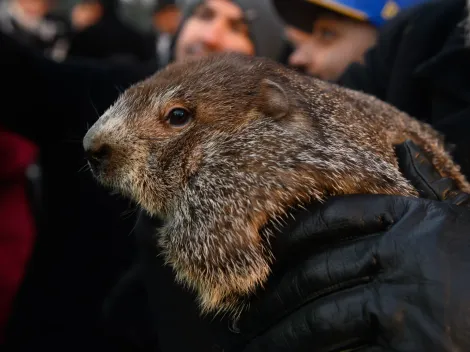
{"x": 274, "y": 101}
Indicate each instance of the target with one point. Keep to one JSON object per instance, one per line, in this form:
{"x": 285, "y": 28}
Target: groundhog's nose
{"x": 98, "y": 155}
{"x": 96, "y": 152}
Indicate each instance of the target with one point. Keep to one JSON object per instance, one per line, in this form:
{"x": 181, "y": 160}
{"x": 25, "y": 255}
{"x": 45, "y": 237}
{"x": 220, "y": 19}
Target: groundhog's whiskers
{"x": 85, "y": 167}
{"x": 96, "y": 111}
{"x": 119, "y": 89}
{"x": 126, "y": 214}
{"x": 73, "y": 141}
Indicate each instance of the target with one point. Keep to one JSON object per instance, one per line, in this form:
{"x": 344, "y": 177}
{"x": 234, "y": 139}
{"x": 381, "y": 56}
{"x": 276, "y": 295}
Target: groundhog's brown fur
{"x": 262, "y": 139}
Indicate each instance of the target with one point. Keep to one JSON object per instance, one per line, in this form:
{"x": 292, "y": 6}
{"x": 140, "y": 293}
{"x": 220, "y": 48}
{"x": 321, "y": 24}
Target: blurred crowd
{"x": 89, "y": 28}
{"x": 71, "y": 270}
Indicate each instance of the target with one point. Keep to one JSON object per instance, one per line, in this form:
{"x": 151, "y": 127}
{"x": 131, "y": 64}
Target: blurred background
{"x": 60, "y": 29}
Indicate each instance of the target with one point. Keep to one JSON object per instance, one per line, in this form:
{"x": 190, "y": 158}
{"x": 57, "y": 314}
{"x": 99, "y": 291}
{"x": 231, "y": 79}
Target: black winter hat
{"x": 161, "y": 4}
{"x": 298, "y": 13}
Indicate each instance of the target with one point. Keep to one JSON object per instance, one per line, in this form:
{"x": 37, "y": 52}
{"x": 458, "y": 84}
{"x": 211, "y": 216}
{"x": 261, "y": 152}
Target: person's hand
{"x": 370, "y": 273}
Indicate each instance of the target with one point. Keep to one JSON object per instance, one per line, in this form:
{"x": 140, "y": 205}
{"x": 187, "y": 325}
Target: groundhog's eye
{"x": 178, "y": 117}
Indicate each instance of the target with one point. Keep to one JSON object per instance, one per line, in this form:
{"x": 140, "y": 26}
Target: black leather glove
{"x": 370, "y": 273}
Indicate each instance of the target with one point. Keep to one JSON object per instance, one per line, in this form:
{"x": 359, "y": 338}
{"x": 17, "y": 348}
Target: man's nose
{"x": 212, "y": 35}
{"x": 302, "y": 58}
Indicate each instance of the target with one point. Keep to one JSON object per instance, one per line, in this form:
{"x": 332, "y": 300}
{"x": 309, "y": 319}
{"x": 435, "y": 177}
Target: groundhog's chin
{"x": 145, "y": 192}
{"x": 152, "y": 208}
{"x": 100, "y": 175}
{"x": 117, "y": 181}
{"x": 106, "y": 177}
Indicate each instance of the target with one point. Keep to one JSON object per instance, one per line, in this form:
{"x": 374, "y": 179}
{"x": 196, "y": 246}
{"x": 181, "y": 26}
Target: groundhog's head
{"x": 221, "y": 146}
{"x": 148, "y": 145}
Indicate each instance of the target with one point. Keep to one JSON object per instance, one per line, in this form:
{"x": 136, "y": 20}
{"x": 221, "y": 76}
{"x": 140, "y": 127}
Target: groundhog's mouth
{"x": 104, "y": 169}
{"x": 105, "y": 161}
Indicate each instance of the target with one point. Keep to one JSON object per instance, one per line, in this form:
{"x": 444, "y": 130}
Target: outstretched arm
{"x": 46, "y": 100}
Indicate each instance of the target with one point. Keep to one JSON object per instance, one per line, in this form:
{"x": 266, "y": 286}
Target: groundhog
{"x": 222, "y": 146}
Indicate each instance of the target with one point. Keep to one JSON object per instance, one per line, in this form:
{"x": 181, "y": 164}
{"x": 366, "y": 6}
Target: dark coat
{"x": 85, "y": 235}
{"x": 421, "y": 66}
{"x": 112, "y": 40}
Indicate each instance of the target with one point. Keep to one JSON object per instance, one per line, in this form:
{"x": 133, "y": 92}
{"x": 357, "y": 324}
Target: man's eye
{"x": 326, "y": 34}
{"x": 203, "y": 13}
{"x": 179, "y": 117}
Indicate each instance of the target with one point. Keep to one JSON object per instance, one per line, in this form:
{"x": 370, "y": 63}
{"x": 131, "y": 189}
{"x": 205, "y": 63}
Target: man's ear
{"x": 274, "y": 100}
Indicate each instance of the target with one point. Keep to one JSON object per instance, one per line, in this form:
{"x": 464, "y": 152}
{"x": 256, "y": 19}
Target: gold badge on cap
{"x": 390, "y": 10}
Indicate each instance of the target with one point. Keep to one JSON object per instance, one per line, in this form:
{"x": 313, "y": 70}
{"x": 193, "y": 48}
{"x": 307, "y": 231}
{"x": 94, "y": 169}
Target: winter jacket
{"x": 17, "y": 218}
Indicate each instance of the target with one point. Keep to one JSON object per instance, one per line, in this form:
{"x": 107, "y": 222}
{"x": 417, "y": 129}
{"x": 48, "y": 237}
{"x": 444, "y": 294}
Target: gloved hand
{"x": 370, "y": 273}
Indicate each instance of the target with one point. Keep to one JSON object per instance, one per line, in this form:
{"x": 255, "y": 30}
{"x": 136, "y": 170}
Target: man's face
{"x": 215, "y": 26}
{"x": 86, "y": 14}
{"x": 35, "y": 8}
{"x": 332, "y": 46}
{"x": 167, "y": 20}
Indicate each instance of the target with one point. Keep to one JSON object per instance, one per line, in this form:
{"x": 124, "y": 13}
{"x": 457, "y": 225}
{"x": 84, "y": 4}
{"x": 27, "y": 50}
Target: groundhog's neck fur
{"x": 251, "y": 177}
{"x": 261, "y": 140}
